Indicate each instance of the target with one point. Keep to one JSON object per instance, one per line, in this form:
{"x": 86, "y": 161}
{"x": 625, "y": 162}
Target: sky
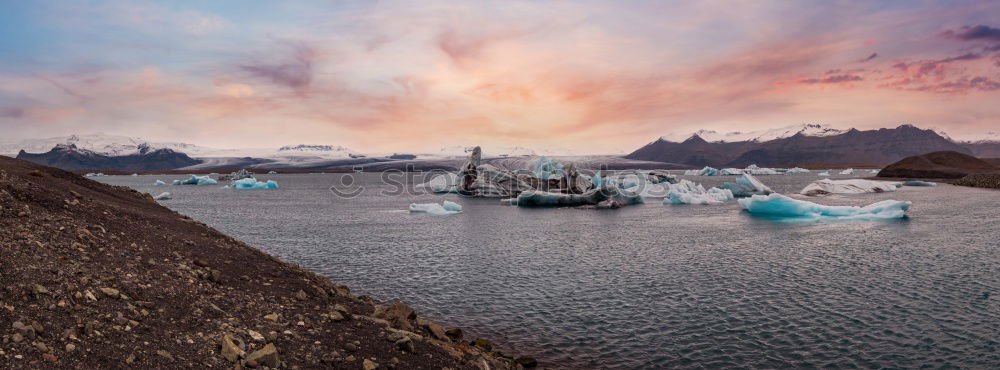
{"x": 588, "y": 76}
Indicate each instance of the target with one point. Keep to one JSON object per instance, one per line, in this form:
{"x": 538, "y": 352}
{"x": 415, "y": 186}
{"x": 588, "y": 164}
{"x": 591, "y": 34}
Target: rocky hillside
{"x": 69, "y": 157}
{"x": 95, "y": 276}
{"x": 946, "y": 164}
{"x": 874, "y": 147}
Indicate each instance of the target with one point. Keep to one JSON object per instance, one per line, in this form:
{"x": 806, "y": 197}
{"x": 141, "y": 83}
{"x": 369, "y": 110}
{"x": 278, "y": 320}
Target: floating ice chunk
{"x": 443, "y": 183}
{"x": 754, "y": 170}
{"x": 197, "y": 180}
{"x": 687, "y": 192}
{"x": 824, "y": 173}
{"x": 852, "y": 186}
{"x": 159, "y": 183}
{"x": 135, "y": 174}
{"x": 448, "y": 208}
{"x": 225, "y": 187}
{"x": 598, "y": 182}
{"x": 163, "y": 196}
{"x": 918, "y": 183}
{"x": 607, "y": 197}
{"x": 272, "y": 172}
{"x": 848, "y": 171}
{"x": 252, "y": 183}
{"x": 731, "y": 171}
{"x": 707, "y": 171}
{"x": 795, "y": 170}
{"x": 780, "y": 206}
{"x": 876, "y": 171}
{"x": 746, "y": 186}
{"x": 92, "y": 174}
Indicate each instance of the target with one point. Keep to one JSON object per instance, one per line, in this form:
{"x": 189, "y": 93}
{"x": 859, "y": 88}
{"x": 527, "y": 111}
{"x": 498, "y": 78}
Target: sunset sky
{"x": 590, "y": 76}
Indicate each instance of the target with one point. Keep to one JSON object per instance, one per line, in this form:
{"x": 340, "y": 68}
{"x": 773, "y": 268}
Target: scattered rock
{"x": 369, "y": 364}
{"x": 267, "y": 356}
{"x": 70, "y": 347}
{"x": 272, "y": 317}
{"x": 436, "y": 331}
{"x": 527, "y": 362}
{"x": 230, "y": 350}
{"x": 455, "y": 334}
{"x": 301, "y": 295}
{"x": 49, "y": 357}
{"x": 405, "y": 344}
{"x": 110, "y": 292}
{"x": 398, "y": 315}
{"x": 255, "y": 335}
{"x": 483, "y": 343}
{"x": 165, "y": 355}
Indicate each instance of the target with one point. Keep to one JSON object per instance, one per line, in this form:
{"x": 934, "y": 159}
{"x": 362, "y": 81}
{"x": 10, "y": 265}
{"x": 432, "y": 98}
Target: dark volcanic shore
{"x": 96, "y": 276}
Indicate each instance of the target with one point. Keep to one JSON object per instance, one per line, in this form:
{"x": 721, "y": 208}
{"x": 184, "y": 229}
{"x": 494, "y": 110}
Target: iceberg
{"x": 795, "y": 170}
{"x": 745, "y": 186}
{"x": 852, "y": 186}
{"x": 607, "y": 197}
{"x": 159, "y": 183}
{"x": 687, "y": 192}
{"x": 252, "y": 183}
{"x": 848, "y": 171}
{"x": 918, "y": 183}
{"x": 443, "y": 183}
{"x": 135, "y": 174}
{"x": 824, "y": 173}
{"x": 163, "y": 196}
{"x": 546, "y": 169}
{"x": 731, "y": 171}
{"x": 94, "y": 174}
{"x": 876, "y": 171}
{"x": 782, "y": 207}
{"x": 707, "y": 171}
{"x": 754, "y": 170}
{"x": 444, "y": 209}
{"x": 197, "y": 180}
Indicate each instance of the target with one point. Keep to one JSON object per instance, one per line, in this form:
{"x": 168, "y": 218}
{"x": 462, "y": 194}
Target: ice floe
{"x": 444, "y": 209}
{"x": 754, "y": 170}
{"x": 163, "y": 196}
{"x": 796, "y": 170}
{"x": 251, "y": 183}
{"x": 849, "y": 171}
{"x": 824, "y": 173}
{"x": 707, "y": 171}
{"x": 197, "y": 180}
{"x": 852, "y": 186}
{"x": 687, "y": 192}
{"x": 159, "y": 183}
{"x": 782, "y": 207}
{"x": 917, "y": 183}
{"x": 746, "y": 186}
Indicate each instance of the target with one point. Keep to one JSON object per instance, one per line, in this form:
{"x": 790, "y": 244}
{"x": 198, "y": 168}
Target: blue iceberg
{"x": 163, "y": 196}
{"x": 159, "y": 183}
{"x": 444, "y": 209}
{"x": 687, "y": 192}
{"x": 782, "y": 207}
{"x": 251, "y": 183}
{"x": 547, "y": 169}
{"x": 707, "y": 171}
{"x": 918, "y": 183}
{"x": 824, "y": 173}
{"x": 197, "y": 180}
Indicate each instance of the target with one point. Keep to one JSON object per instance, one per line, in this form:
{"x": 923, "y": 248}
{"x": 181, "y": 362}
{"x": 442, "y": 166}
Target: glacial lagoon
{"x": 651, "y": 285}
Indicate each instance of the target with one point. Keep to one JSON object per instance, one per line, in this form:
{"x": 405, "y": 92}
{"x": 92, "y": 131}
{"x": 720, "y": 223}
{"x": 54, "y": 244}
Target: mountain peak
{"x": 807, "y": 129}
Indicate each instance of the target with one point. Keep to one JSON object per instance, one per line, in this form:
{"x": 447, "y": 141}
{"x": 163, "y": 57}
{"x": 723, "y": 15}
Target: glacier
{"x": 852, "y": 186}
{"x": 251, "y": 183}
{"x": 159, "y": 183}
{"x": 782, "y": 207}
{"x": 444, "y": 209}
{"x": 745, "y": 186}
{"x": 197, "y": 180}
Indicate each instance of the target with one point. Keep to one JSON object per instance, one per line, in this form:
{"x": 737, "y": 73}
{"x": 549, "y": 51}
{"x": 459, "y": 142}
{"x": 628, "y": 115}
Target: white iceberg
{"x": 159, "y": 183}
{"x": 92, "y": 174}
{"x": 852, "y": 186}
{"x": 135, "y": 174}
{"x": 546, "y": 169}
{"x": 795, "y": 170}
{"x": 824, "y": 173}
{"x": 754, "y": 170}
{"x": 783, "y": 207}
{"x": 687, "y": 192}
{"x": 848, "y": 171}
{"x": 917, "y": 183}
{"x": 443, "y": 183}
{"x": 252, "y": 184}
{"x": 197, "y": 180}
{"x": 444, "y": 209}
{"x": 731, "y": 171}
{"x": 745, "y": 186}
{"x": 876, "y": 171}
{"x": 707, "y": 171}
{"x": 163, "y": 196}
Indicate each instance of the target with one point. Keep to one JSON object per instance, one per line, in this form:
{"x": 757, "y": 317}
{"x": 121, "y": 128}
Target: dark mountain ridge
{"x": 876, "y": 147}
{"x": 69, "y": 157}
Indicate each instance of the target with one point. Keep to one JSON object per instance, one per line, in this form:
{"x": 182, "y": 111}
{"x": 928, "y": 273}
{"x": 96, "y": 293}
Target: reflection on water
{"x": 651, "y": 285}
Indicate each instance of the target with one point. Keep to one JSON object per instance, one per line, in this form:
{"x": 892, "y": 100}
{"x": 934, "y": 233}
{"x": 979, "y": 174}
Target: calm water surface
{"x": 650, "y": 286}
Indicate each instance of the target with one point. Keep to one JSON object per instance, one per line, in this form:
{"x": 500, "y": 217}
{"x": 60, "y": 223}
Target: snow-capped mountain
{"x": 501, "y": 151}
{"x": 808, "y": 129}
{"x": 117, "y": 145}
